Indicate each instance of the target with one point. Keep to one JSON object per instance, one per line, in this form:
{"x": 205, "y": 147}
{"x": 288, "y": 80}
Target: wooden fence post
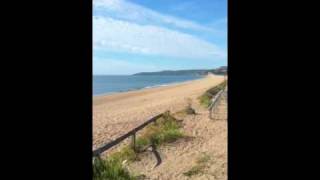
{"x": 166, "y": 115}
{"x": 133, "y": 141}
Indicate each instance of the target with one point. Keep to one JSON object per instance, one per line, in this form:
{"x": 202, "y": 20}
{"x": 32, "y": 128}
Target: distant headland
{"x": 200, "y": 72}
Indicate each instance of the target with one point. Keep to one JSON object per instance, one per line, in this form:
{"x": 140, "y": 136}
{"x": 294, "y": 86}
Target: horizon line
{"x": 156, "y": 71}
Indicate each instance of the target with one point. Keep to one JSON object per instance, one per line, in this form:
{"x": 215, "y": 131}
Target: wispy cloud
{"x": 217, "y": 24}
{"x": 123, "y": 30}
{"x": 132, "y": 12}
{"x": 121, "y": 36}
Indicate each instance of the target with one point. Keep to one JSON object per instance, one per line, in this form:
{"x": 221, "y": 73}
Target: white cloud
{"x": 139, "y": 14}
{"x": 122, "y": 36}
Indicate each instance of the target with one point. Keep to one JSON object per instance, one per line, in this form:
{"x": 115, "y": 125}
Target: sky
{"x": 131, "y": 36}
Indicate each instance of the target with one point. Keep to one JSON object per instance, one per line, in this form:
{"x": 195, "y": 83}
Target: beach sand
{"x": 206, "y": 137}
{"x": 116, "y": 114}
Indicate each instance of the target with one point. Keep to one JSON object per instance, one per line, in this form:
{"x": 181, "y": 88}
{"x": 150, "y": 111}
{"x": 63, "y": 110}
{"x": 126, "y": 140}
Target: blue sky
{"x": 131, "y": 36}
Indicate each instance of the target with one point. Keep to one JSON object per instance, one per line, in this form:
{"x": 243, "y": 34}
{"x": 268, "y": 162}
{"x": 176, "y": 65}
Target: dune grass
{"x": 165, "y": 130}
{"x": 205, "y": 99}
{"x": 110, "y": 169}
{"x": 201, "y": 165}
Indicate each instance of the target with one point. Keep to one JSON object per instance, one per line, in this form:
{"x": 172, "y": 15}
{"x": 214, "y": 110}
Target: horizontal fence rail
{"x": 132, "y": 133}
{"x": 215, "y": 100}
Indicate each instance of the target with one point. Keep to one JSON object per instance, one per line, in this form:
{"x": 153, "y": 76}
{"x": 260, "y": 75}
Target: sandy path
{"x": 209, "y": 137}
{"x": 114, "y": 115}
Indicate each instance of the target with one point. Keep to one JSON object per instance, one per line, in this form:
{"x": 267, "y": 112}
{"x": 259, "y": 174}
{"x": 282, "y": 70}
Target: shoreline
{"x": 99, "y": 99}
{"x": 148, "y": 87}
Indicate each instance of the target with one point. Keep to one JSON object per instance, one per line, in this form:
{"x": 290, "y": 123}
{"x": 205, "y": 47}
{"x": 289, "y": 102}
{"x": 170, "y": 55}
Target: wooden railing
{"x": 131, "y": 133}
{"x": 215, "y": 101}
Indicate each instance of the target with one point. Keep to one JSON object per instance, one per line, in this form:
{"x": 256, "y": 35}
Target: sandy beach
{"x": 114, "y": 115}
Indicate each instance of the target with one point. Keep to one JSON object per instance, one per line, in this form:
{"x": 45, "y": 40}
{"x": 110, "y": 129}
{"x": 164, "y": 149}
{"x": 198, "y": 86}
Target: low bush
{"x": 110, "y": 169}
{"x": 205, "y": 99}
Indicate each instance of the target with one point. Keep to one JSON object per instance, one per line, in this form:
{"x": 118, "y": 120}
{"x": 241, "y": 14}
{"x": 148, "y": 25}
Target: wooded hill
{"x": 219, "y": 71}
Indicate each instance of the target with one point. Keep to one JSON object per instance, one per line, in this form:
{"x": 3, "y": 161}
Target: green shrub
{"x": 126, "y": 153}
{"x": 166, "y": 130}
{"x": 205, "y": 99}
{"x": 110, "y": 169}
{"x": 141, "y": 144}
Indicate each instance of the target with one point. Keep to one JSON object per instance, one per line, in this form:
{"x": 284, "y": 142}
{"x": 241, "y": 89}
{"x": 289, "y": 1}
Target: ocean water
{"x": 107, "y": 84}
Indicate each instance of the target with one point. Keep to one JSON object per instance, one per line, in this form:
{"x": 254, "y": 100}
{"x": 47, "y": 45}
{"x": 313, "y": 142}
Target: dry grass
{"x": 201, "y": 165}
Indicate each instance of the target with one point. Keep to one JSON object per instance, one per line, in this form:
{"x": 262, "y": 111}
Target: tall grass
{"x": 205, "y": 99}
{"x": 110, "y": 169}
{"x": 165, "y": 130}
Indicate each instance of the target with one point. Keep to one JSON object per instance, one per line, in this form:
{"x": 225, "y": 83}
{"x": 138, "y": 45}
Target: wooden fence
{"x": 215, "y": 101}
{"x": 131, "y": 133}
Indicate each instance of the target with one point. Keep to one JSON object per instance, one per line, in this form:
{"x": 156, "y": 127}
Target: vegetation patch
{"x": 194, "y": 171}
{"x": 201, "y": 165}
{"x": 165, "y": 130}
{"x": 110, "y": 169}
{"x": 205, "y": 99}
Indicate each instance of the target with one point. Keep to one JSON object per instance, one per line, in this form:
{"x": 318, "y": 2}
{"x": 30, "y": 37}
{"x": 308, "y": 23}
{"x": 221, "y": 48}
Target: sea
{"x": 109, "y": 84}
